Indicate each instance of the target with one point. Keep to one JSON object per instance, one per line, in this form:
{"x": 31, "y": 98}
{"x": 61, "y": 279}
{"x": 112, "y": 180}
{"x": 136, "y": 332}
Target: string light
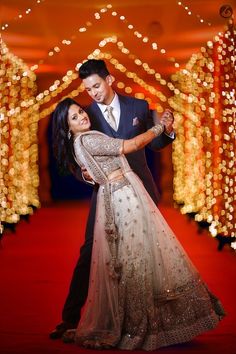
{"x": 98, "y": 55}
{"x": 138, "y": 34}
{"x": 71, "y": 75}
{"x": 131, "y": 75}
{"x": 137, "y": 61}
{"x": 21, "y": 15}
{"x": 190, "y": 13}
{"x": 1, "y": 173}
{"x": 204, "y": 151}
{"x": 120, "y": 85}
{"x": 19, "y": 149}
{"x": 157, "y": 75}
{"x": 57, "y": 48}
{"x": 195, "y": 102}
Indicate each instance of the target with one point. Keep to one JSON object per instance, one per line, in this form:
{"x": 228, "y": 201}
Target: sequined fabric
{"x": 157, "y": 298}
{"x": 105, "y": 151}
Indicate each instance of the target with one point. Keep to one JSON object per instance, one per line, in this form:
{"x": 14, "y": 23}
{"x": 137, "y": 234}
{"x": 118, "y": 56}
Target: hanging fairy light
{"x": 1, "y": 173}
{"x": 98, "y": 15}
{"x": 138, "y": 34}
{"x": 195, "y": 99}
{"x": 191, "y": 13}
{"x": 72, "y": 75}
{"x": 18, "y": 149}
{"x": 45, "y": 97}
{"x": 57, "y": 48}
{"x": 20, "y": 15}
{"x": 204, "y": 151}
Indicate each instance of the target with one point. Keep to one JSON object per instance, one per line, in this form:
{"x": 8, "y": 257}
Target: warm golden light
{"x": 204, "y": 151}
{"x": 18, "y": 139}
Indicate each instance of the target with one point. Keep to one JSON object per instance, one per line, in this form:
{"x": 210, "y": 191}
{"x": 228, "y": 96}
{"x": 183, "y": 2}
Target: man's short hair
{"x": 93, "y": 66}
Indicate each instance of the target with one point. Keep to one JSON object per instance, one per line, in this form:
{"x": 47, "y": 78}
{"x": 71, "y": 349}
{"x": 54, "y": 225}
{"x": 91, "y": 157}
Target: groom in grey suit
{"x": 121, "y": 117}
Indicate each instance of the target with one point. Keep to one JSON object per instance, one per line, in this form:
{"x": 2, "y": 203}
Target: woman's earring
{"x": 69, "y": 135}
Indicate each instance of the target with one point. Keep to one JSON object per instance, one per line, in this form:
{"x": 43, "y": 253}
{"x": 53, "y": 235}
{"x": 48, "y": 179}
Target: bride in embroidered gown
{"x": 144, "y": 291}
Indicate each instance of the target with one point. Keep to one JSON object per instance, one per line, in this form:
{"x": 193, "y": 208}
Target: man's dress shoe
{"x": 60, "y": 329}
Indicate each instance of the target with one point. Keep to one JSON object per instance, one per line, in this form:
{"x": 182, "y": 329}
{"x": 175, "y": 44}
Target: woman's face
{"x": 78, "y": 120}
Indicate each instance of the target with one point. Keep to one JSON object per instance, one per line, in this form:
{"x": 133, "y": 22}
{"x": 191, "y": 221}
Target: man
{"x": 120, "y": 117}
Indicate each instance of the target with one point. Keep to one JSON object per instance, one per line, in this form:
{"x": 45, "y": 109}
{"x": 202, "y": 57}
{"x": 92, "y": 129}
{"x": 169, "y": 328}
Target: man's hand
{"x": 167, "y": 119}
{"x": 86, "y": 175}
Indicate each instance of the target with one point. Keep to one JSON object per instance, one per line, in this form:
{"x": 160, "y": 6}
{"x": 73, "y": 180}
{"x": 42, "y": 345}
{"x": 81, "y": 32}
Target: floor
{"x": 36, "y": 263}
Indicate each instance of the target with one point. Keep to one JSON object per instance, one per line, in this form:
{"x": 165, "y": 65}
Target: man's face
{"x": 99, "y": 89}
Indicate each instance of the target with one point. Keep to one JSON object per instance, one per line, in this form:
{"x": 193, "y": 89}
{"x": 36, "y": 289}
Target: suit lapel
{"x": 98, "y": 121}
{"x": 125, "y": 116}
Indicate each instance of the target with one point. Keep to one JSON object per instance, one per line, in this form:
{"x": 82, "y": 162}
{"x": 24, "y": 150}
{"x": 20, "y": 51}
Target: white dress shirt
{"x": 115, "y": 104}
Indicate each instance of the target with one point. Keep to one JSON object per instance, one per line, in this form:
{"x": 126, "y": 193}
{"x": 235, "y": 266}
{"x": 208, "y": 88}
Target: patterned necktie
{"x": 110, "y": 117}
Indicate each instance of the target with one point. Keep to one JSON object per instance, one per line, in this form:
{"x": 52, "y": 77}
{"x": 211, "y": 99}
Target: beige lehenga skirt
{"x": 159, "y": 298}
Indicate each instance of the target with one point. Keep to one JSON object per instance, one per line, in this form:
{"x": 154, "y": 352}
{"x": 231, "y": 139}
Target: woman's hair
{"x": 63, "y": 144}
{"x": 93, "y": 66}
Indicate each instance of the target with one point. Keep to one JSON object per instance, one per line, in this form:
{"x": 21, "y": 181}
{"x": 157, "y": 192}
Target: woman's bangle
{"x": 157, "y": 129}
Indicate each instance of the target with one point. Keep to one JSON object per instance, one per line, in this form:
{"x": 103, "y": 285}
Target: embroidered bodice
{"x": 105, "y": 150}
{"x": 99, "y": 154}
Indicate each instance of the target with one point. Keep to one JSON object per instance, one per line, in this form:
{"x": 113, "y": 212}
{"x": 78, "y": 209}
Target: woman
{"x": 144, "y": 291}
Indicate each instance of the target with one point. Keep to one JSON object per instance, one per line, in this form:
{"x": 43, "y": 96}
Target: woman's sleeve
{"x": 101, "y": 145}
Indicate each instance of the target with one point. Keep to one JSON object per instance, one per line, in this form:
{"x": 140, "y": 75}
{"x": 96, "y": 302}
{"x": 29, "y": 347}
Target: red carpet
{"x": 36, "y": 264}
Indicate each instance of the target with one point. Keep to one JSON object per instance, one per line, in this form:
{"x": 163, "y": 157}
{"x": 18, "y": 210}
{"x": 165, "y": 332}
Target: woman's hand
{"x": 167, "y": 120}
{"x": 86, "y": 175}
